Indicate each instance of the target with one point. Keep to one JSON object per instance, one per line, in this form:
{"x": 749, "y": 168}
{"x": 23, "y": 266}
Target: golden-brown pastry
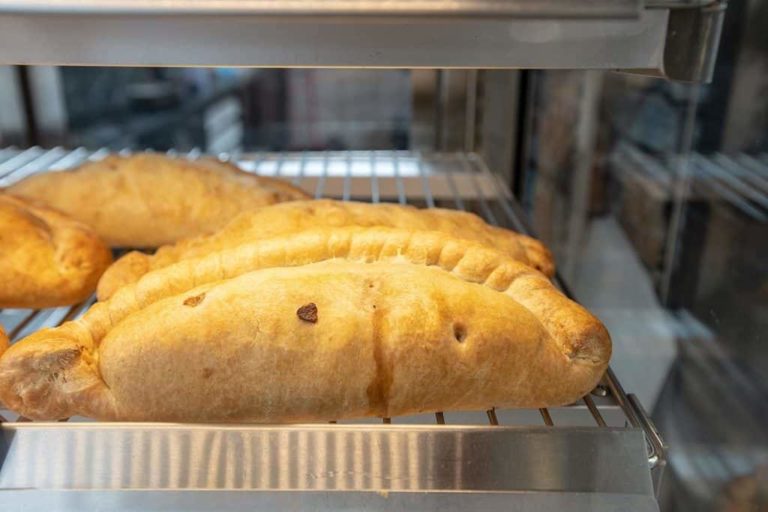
{"x": 300, "y": 215}
{"x": 148, "y": 200}
{"x": 46, "y": 258}
{"x": 318, "y": 325}
{"x": 4, "y": 342}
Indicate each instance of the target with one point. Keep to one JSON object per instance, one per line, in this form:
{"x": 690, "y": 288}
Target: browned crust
{"x": 4, "y": 342}
{"x": 46, "y": 259}
{"x": 286, "y": 218}
{"x": 286, "y": 191}
{"x": 54, "y": 373}
{"x": 147, "y": 200}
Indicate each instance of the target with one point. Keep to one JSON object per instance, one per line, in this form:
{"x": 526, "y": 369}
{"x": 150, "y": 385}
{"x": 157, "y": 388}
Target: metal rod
{"x": 347, "y": 178}
{"x": 257, "y": 161}
{"x": 12, "y": 164}
{"x": 320, "y": 187}
{"x": 492, "y": 419}
{"x": 618, "y": 393}
{"x": 758, "y": 165}
{"x": 733, "y": 182}
{"x": 72, "y": 159}
{"x": 490, "y": 217}
{"x": 76, "y": 309}
{"x": 727, "y": 193}
{"x": 279, "y": 166}
{"x": 104, "y": 152}
{"x": 546, "y": 417}
{"x": 425, "y": 182}
{"x": 374, "y": 179}
{"x": 506, "y": 202}
{"x": 398, "y": 179}
{"x": 17, "y": 330}
{"x": 454, "y": 189}
{"x": 593, "y": 409}
{"x": 41, "y": 162}
{"x": 744, "y": 171}
{"x": 302, "y": 169}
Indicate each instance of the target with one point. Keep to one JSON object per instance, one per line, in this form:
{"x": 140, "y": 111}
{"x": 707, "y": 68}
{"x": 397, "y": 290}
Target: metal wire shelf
{"x": 454, "y": 180}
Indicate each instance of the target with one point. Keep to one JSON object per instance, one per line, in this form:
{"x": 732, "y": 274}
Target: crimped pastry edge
{"x": 71, "y": 350}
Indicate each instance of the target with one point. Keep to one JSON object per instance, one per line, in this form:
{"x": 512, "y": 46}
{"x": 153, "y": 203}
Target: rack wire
{"x": 455, "y": 180}
{"x": 739, "y": 180}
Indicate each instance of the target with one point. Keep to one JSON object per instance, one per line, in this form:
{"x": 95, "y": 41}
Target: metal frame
{"x": 514, "y": 8}
{"x": 677, "y": 39}
{"x": 601, "y": 433}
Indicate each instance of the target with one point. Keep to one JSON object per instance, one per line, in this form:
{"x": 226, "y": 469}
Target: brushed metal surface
{"x": 323, "y": 457}
{"x": 334, "y": 41}
{"x": 114, "y": 501}
{"x": 521, "y": 8}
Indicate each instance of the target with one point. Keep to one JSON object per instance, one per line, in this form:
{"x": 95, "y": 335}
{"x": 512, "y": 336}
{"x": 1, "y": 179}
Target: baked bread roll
{"x": 46, "y": 259}
{"x": 300, "y": 215}
{"x": 319, "y": 325}
{"x": 148, "y": 200}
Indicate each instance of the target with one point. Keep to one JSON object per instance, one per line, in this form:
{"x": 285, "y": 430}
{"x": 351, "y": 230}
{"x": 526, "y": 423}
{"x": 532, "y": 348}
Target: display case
{"x": 502, "y": 153}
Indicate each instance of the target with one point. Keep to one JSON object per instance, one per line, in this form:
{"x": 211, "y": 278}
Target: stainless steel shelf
{"x": 546, "y": 34}
{"x": 600, "y": 454}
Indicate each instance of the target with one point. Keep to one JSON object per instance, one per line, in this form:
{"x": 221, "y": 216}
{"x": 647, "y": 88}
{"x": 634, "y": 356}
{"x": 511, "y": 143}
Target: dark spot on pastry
{"x": 194, "y": 300}
{"x": 65, "y": 358}
{"x": 459, "y": 332}
{"x": 308, "y": 312}
{"x": 207, "y": 372}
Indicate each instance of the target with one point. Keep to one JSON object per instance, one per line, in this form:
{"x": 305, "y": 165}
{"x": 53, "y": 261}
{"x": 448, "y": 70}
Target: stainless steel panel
{"x": 309, "y": 41}
{"x": 323, "y": 457}
{"x": 517, "y": 8}
{"x": 113, "y": 501}
{"x": 693, "y": 43}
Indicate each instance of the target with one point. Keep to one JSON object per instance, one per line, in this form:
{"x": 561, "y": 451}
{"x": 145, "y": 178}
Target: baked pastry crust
{"x": 4, "y": 341}
{"x": 46, "y": 258}
{"x": 297, "y": 216}
{"x": 317, "y": 325}
{"x": 148, "y": 200}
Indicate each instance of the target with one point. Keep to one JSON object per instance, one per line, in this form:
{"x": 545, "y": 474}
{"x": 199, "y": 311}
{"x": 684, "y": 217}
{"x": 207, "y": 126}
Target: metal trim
{"x": 335, "y": 41}
{"x": 442, "y": 8}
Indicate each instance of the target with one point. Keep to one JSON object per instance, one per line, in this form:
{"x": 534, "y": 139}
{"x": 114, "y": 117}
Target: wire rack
{"x": 739, "y": 180}
{"x": 454, "y": 180}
